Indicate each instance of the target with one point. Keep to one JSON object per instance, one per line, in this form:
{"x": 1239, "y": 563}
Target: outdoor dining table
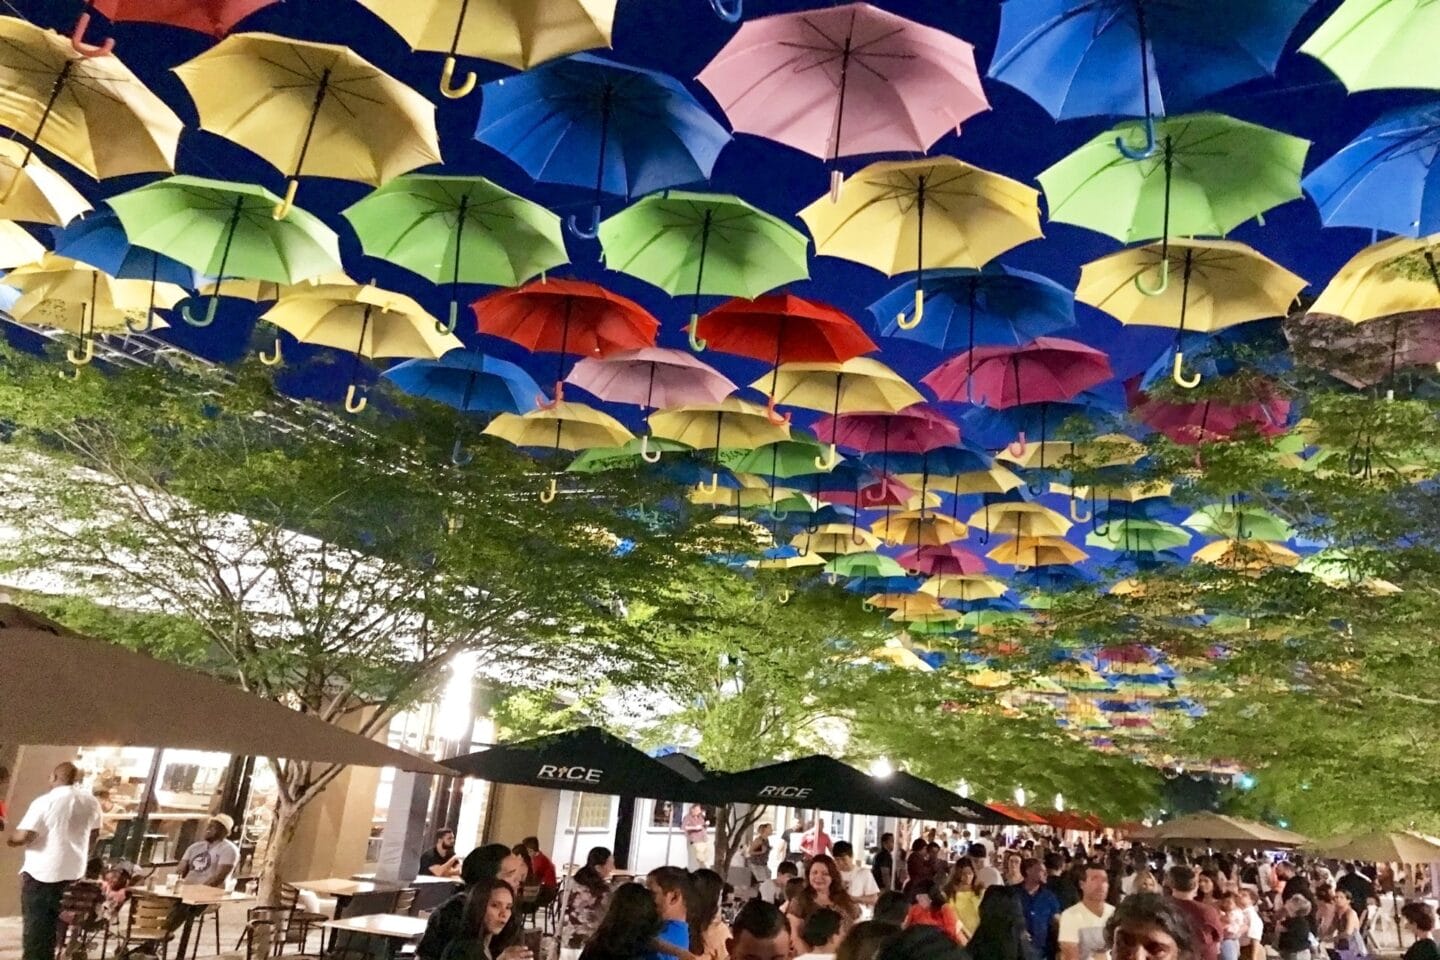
{"x": 200, "y": 895}
{"x": 344, "y": 890}
{"x": 394, "y": 928}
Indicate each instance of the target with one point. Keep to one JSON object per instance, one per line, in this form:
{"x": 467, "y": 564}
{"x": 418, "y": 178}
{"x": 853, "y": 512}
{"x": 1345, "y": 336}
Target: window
{"x": 591, "y": 813}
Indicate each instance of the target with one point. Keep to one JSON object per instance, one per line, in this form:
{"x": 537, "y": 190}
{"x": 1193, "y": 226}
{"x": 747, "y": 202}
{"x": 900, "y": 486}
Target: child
{"x": 115, "y": 890}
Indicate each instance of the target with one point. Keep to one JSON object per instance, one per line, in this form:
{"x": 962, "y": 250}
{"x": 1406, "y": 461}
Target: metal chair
{"x": 152, "y": 924}
{"x": 79, "y": 919}
{"x": 212, "y": 912}
{"x": 405, "y": 901}
{"x": 287, "y": 924}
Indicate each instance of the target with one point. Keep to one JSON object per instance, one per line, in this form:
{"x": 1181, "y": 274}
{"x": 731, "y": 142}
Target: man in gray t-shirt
{"x": 209, "y": 861}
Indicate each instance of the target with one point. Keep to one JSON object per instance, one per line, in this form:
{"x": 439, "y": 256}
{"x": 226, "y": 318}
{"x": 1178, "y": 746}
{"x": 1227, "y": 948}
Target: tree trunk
{"x": 282, "y": 832}
{"x": 732, "y": 830}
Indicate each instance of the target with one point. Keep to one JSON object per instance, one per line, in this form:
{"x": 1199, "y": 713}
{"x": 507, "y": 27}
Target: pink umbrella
{"x": 1045, "y": 370}
{"x": 1210, "y": 421}
{"x": 845, "y": 80}
{"x": 885, "y": 492}
{"x": 1363, "y": 355}
{"x": 919, "y": 428}
{"x": 946, "y": 560}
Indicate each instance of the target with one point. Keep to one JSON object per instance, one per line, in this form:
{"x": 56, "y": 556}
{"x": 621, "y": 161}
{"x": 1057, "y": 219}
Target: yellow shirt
{"x": 967, "y": 910}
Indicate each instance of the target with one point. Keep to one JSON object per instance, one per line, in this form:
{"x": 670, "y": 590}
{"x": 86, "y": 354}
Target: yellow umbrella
{"x": 858, "y": 384}
{"x": 1223, "y": 284}
{"x": 837, "y": 539}
{"x": 17, "y": 247}
{"x": 919, "y": 528}
{"x": 364, "y": 320}
{"x": 730, "y": 424}
{"x": 1109, "y": 450}
{"x": 1026, "y": 552}
{"x": 995, "y": 479}
{"x": 798, "y": 561}
{"x": 759, "y": 533}
{"x": 1127, "y": 493}
{"x": 517, "y": 33}
{"x": 78, "y": 298}
{"x": 1020, "y": 519}
{"x": 750, "y": 495}
{"x": 311, "y": 108}
{"x": 915, "y": 602}
{"x": 91, "y": 112}
{"x": 965, "y": 587}
{"x": 1386, "y": 278}
{"x": 264, "y": 291}
{"x": 910, "y": 615}
{"x": 33, "y": 192}
{"x": 1251, "y": 556}
{"x": 899, "y": 656}
{"x": 930, "y": 500}
{"x": 904, "y": 216}
{"x": 565, "y": 425}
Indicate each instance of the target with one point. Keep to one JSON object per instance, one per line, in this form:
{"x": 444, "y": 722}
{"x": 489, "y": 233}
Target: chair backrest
{"x": 429, "y": 896}
{"x": 405, "y": 901}
{"x": 79, "y": 901}
{"x": 150, "y": 917}
{"x": 366, "y": 904}
{"x": 289, "y": 897}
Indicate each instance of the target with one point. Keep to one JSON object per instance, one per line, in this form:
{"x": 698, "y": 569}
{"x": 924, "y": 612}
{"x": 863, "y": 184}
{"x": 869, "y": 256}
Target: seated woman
{"x": 590, "y": 892}
{"x": 629, "y": 927}
{"x": 489, "y": 926}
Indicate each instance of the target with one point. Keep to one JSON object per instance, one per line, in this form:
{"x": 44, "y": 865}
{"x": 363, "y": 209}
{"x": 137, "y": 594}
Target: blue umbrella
{"x": 588, "y": 122}
{"x": 1055, "y": 579}
{"x": 1386, "y": 178}
{"x": 100, "y": 241}
{"x": 969, "y": 308}
{"x": 1075, "y": 57}
{"x": 883, "y": 585}
{"x": 942, "y": 462}
{"x": 471, "y": 383}
{"x": 1259, "y": 345}
{"x": 1152, "y": 508}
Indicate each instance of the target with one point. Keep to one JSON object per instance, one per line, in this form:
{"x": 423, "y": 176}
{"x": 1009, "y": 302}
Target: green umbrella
{"x": 976, "y": 619}
{"x": 226, "y": 229}
{"x": 1380, "y": 44}
{"x": 864, "y": 565}
{"x": 458, "y": 230}
{"x": 1209, "y": 174}
{"x": 627, "y": 457}
{"x": 704, "y": 243}
{"x": 936, "y": 629}
{"x": 1139, "y": 536}
{"x": 785, "y": 459}
{"x": 1239, "y": 523}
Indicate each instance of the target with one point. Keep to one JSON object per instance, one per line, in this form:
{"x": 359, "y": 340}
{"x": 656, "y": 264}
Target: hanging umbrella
{"x": 861, "y": 565}
{"x": 1401, "y": 846}
{"x": 100, "y": 241}
{"x": 1029, "y": 552}
{"x": 1249, "y": 556}
{"x": 91, "y": 112}
{"x": 566, "y": 317}
{"x": 17, "y": 247}
{"x": 1379, "y": 44}
{"x": 601, "y": 125}
{"x": 1210, "y": 173}
{"x": 561, "y": 426}
{"x": 995, "y": 305}
{"x": 859, "y": 384}
{"x": 516, "y": 33}
{"x": 919, "y": 528}
{"x": 1394, "y": 276}
{"x": 786, "y": 558}
{"x": 704, "y": 244}
{"x": 32, "y": 192}
{"x": 627, "y": 457}
{"x": 1221, "y": 284}
{"x": 711, "y": 426}
{"x": 837, "y": 540}
{"x": 1364, "y": 355}
{"x": 1209, "y": 421}
{"x": 946, "y": 560}
{"x": 965, "y": 587}
{"x": 311, "y": 108}
{"x": 1019, "y": 519}
{"x": 915, "y": 429}
{"x": 1238, "y": 522}
{"x": 221, "y": 229}
{"x": 214, "y": 17}
{"x": 362, "y": 320}
{"x": 651, "y": 377}
{"x": 264, "y": 291}
{"x": 783, "y": 328}
{"x": 1096, "y": 58}
{"x": 909, "y": 216}
{"x": 936, "y": 462}
{"x": 1256, "y": 346}
{"x": 454, "y": 230}
{"x": 845, "y": 80}
{"x": 471, "y": 383}
{"x": 1138, "y": 536}
{"x": 783, "y": 459}
{"x": 1385, "y": 179}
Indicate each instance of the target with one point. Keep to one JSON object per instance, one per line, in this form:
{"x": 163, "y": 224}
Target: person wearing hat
{"x": 209, "y": 861}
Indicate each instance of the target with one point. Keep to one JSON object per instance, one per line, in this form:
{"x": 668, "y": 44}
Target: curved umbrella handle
{"x": 919, "y": 312}
{"x": 548, "y": 494}
{"x": 828, "y": 462}
{"x": 209, "y": 316}
{"x": 353, "y": 405}
{"x": 779, "y": 516}
{"x": 1021, "y": 567}
{"x": 713, "y": 486}
{"x": 86, "y": 354}
{"x": 696, "y": 343}
{"x": 867, "y": 606}
{"x": 1177, "y": 373}
{"x": 728, "y": 14}
{"x": 646, "y": 453}
{"x": 984, "y": 537}
{"x": 1075, "y": 514}
{"x": 447, "y": 76}
{"x": 1164, "y": 284}
{"x": 1017, "y": 447}
{"x": 148, "y": 325}
{"x": 449, "y": 323}
{"x": 865, "y": 495}
{"x": 811, "y": 527}
{"x": 857, "y": 539}
{"x": 78, "y": 44}
{"x": 775, "y": 416}
{"x": 282, "y": 209}
{"x": 72, "y": 374}
{"x": 837, "y": 180}
{"x": 588, "y": 232}
{"x": 459, "y": 456}
{"x": 1145, "y": 152}
{"x": 273, "y": 359}
{"x": 783, "y": 596}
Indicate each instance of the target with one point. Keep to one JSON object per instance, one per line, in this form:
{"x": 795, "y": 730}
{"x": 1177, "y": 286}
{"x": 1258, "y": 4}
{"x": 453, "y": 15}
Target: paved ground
{"x": 232, "y": 921}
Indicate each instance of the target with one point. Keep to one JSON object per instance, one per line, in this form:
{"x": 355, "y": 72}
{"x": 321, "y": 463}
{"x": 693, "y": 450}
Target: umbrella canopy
{"x": 969, "y": 308}
{"x": 17, "y": 246}
{"x": 964, "y": 587}
{"x": 1214, "y": 829}
{"x": 1020, "y": 519}
{"x": 561, "y": 426}
{"x": 795, "y": 457}
{"x": 1239, "y": 522}
{"x": 1393, "y": 276}
{"x": 730, "y": 423}
{"x": 1045, "y": 370}
{"x": 919, "y": 528}
{"x": 873, "y": 565}
{"x": 215, "y": 17}
{"x": 947, "y": 560}
{"x": 857, "y": 384}
{"x": 781, "y": 328}
{"x": 468, "y": 381}
{"x": 845, "y": 80}
{"x": 1379, "y": 44}
{"x": 587, "y": 760}
{"x": 1386, "y": 178}
{"x": 651, "y": 377}
{"x": 41, "y": 655}
{"x": 1400, "y": 846}
{"x": 1037, "y": 552}
{"x": 837, "y": 540}
{"x": 1246, "y": 555}
{"x": 816, "y": 782}
{"x": 315, "y": 109}
{"x": 915, "y": 429}
{"x": 100, "y": 241}
{"x": 1138, "y": 536}
{"x": 90, "y": 111}
{"x": 605, "y": 126}
{"x": 32, "y": 192}
{"x": 942, "y": 804}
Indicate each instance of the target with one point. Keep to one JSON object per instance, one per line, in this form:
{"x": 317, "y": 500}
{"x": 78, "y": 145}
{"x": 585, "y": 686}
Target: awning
{"x": 1019, "y": 814}
{"x": 62, "y": 689}
{"x": 1217, "y": 830}
{"x": 587, "y": 760}
{"x": 817, "y": 782}
{"x": 1068, "y": 820}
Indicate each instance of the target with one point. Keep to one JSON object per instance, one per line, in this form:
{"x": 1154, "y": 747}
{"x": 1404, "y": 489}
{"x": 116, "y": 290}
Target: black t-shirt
{"x": 432, "y": 858}
{"x": 1426, "y": 949}
{"x": 1294, "y": 935}
{"x": 881, "y": 865}
{"x": 444, "y": 926}
{"x": 1064, "y": 889}
{"x": 1359, "y": 887}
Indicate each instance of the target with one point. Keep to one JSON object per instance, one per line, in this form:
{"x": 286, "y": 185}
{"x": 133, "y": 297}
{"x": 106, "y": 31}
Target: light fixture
{"x": 1020, "y": 796}
{"x": 1059, "y": 803}
{"x": 964, "y": 789}
{"x": 881, "y": 768}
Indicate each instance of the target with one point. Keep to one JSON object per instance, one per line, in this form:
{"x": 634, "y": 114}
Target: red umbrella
{"x": 946, "y": 560}
{"x": 1209, "y": 421}
{"x": 919, "y": 428}
{"x": 782, "y": 328}
{"x": 1045, "y": 370}
{"x": 566, "y": 317}
{"x": 214, "y": 17}
{"x": 885, "y": 492}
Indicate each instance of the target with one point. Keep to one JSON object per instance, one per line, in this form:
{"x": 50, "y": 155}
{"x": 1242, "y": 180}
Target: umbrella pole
{"x": 1148, "y": 150}
{"x": 149, "y": 310}
{"x": 282, "y": 209}
{"x": 1178, "y": 374}
{"x": 447, "y": 73}
{"x": 86, "y": 353}
{"x": 448, "y": 326}
{"x": 560, "y": 362}
{"x": 214, "y": 304}
{"x": 56, "y": 88}
{"x": 1164, "y": 283}
{"x": 696, "y": 343}
{"x": 591, "y": 231}
{"x": 837, "y": 179}
{"x": 776, "y": 418}
{"x": 919, "y": 261}
{"x": 351, "y": 404}
{"x": 832, "y": 457}
{"x": 970, "y": 348}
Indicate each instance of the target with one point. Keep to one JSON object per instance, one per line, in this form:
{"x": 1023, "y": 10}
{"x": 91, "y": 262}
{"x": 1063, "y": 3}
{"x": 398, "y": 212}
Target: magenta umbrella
{"x": 1045, "y": 370}
{"x": 1365, "y": 354}
{"x": 845, "y": 80}
{"x": 887, "y": 491}
{"x": 1209, "y": 421}
{"x": 948, "y": 560}
{"x": 652, "y": 378}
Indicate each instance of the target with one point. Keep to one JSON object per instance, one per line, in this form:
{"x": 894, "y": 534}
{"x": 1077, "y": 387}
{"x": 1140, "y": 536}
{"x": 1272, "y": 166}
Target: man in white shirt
{"x": 208, "y": 862}
{"x": 859, "y": 882}
{"x": 1082, "y": 927}
{"x": 56, "y": 833}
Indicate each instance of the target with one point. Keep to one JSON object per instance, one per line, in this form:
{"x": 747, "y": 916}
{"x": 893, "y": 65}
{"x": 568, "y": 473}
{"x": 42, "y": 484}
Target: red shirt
{"x": 925, "y": 917}
{"x": 544, "y": 869}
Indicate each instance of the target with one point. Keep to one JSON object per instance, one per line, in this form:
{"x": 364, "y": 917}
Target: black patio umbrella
{"x": 587, "y": 760}
{"x": 685, "y": 765}
{"x": 817, "y": 782}
{"x": 942, "y": 804}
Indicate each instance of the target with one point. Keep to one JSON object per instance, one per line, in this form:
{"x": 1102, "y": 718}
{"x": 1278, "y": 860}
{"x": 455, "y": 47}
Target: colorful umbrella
{"x": 1138, "y": 536}
{"x": 1210, "y": 173}
{"x": 1399, "y": 275}
{"x": 785, "y": 459}
{"x": 704, "y": 243}
{"x": 32, "y": 192}
{"x": 311, "y": 108}
{"x": 947, "y": 560}
{"x": 90, "y": 111}
{"x": 651, "y": 377}
{"x": 919, "y": 528}
{"x": 1239, "y": 523}
{"x": 1222, "y": 284}
{"x": 1386, "y": 178}
{"x": 859, "y": 384}
{"x": 1363, "y": 355}
{"x": 964, "y": 587}
{"x": 1030, "y": 552}
{"x": 560, "y": 426}
{"x": 782, "y": 328}
{"x": 100, "y": 241}
{"x": 566, "y": 317}
{"x": 845, "y": 80}
{"x": 915, "y": 429}
{"x": 517, "y": 33}
{"x": 711, "y": 426}
{"x": 836, "y": 540}
{"x": 453, "y": 230}
{"x": 362, "y": 320}
{"x": 226, "y": 229}
{"x": 1379, "y": 44}
{"x": 1249, "y": 556}
{"x": 214, "y": 17}
{"x": 627, "y": 457}
{"x": 968, "y": 308}
{"x": 862, "y": 565}
{"x": 606, "y": 126}
{"x": 471, "y": 383}
{"x": 1209, "y": 421}
{"x": 908, "y": 216}
{"x": 1074, "y": 57}
{"x": 17, "y": 247}
{"x": 1018, "y": 519}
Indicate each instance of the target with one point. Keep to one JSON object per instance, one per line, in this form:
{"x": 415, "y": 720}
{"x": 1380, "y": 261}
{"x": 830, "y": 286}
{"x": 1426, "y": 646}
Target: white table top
{"x": 341, "y": 887}
{"x": 397, "y": 926}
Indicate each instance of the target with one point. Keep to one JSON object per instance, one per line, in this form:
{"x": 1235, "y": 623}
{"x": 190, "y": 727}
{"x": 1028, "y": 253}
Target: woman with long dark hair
{"x": 932, "y": 910}
{"x": 629, "y": 927}
{"x": 489, "y": 925}
{"x": 590, "y": 889}
{"x": 824, "y": 887}
{"x": 1001, "y": 934}
{"x": 708, "y": 932}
